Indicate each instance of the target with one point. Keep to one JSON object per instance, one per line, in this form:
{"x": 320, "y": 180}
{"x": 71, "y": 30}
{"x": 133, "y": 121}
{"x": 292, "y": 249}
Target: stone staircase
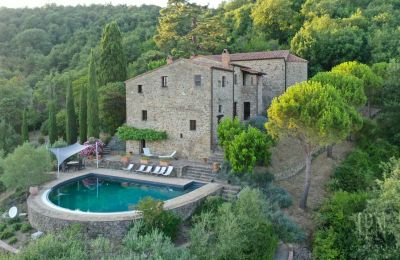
{"x": 230, "y": 192}
{"x": 199, "y": 173}
{"x": 106, "y": 150}
{"x": 217, "y": 157}
{"x": 205, "y": 174}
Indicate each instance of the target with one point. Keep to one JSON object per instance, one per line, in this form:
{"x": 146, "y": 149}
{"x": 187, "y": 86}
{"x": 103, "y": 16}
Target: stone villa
{"x": 188, "y": 97}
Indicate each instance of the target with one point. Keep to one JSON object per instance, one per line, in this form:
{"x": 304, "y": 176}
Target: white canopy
{"x": 64, "y": 152}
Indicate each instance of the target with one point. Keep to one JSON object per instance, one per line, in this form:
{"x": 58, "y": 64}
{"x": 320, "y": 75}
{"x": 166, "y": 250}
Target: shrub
{"x": 354, "y": 174}
{"x": 201, "y": 236}
{"x": 2, "y": 226}
{"x": 41, "y": 140}
{"x": 25, "y": 227}
{"x": 7, "y": 233}
{"x": 59, "y": 143}
{"x": 260, "y": 178}
{"x": 277, "y": 195}
{"x": 239, "y": 230}
{"x": 26, "y": 166}
{"x": 153, "y": 245}
{"x": 324, "y": 245}
{"x": 91, "y": 150}
{"x": 210, "y": 204}
{"x": 67, "y": 244}
{"x": 378, "y": 225}
{"x": 258, "y": 122}
{"x": 155, "y": 217}
{"x": 334, "y": 220}
{"x": 247, "y": 149}
{"x": 12, "y": 240}
{"x": 16, "y": 226}
{"x": 286, "y": 229}
{"x": 100, "y": 247}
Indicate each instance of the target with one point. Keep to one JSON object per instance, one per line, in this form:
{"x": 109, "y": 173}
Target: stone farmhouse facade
{"x": 187, "y": 98}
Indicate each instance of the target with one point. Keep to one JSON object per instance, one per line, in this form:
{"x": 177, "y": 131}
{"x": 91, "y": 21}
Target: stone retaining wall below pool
{"x": 47, "y": 217}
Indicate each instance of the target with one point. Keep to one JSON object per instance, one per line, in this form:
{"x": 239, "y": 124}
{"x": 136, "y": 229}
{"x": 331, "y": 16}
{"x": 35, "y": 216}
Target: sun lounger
{"x": 148, "y": 169}
{"x": 171, "y": 156}
{"x": 156, "y": 170}
{"x": 169, "y": 170}
{"x": 141, "y": 168}
{"x": 162, "y": 170}
{"x": 129, "y": 168}
{"x": 146, "y": 152}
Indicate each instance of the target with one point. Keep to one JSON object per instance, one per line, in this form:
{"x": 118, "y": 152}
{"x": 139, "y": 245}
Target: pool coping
{"x": 37, "y": 204}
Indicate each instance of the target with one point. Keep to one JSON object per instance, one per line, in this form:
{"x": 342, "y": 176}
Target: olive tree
{"x": 315, "y": 115}
{"x": 26, "y": 166}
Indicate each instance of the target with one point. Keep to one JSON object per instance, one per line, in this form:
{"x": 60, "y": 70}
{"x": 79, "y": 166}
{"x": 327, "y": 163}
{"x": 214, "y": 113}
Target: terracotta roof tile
{"x": 280, "y": 54}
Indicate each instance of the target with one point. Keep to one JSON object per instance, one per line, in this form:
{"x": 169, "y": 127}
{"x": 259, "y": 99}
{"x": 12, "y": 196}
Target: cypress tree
{"x": 52, "y": 121}
{"x": 70, "y": 124}
{"x": 92, "y": 103}
{"x": 112, "y": 57}
{"x": 24, "y": 128}
{"x": 83, "y": 114}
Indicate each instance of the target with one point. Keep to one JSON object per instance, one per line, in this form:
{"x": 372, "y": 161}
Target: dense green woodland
{"x": 45, "y": 47}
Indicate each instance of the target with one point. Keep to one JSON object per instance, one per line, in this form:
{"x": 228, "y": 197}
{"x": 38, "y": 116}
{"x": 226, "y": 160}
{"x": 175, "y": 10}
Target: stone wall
{"x": 222, "y": 96}
{"x": 296, "y": 72}
{"x": 275, "y": 76}
{"x": 171, "y": 108}
{"x": 110, "y": 229}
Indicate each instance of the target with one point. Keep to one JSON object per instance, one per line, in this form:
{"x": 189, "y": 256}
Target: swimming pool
{"x": 106, "y": 194}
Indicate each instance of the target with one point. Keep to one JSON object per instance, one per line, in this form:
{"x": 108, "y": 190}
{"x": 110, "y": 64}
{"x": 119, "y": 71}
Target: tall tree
{"x": 186, "y": 28}
{"x": 83, "y": 113}
{"x": 92, "y": 100}
{"x": 372, "y": 82}
{"x": 276, "y": 17}
{"x": 350, "y": 88}
{"x": 52, "y": 121}
{"x": 70, "y": 124}
{"x": 313, "y": 114}
{"x": 112, "y": 106}
{"x": 112, "y": 56}
{"x": 24, "y": 128}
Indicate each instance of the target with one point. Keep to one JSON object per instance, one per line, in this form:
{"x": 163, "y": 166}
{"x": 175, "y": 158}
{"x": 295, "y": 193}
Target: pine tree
{"x": 52, "y": 121}
{"x": 112, "y": 57}
{"x": 92, "y": 103}
{"x": 83, "y": 114}
{"x": 70, "y": 124}
{"x": 24, "y": 128}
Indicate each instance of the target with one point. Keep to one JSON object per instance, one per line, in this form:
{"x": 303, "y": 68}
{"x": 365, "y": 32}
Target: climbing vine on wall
{"x": 127, "y": 133}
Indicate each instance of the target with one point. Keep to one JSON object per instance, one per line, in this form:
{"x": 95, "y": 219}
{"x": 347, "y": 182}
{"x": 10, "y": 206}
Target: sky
{"x": 38, "y": 3}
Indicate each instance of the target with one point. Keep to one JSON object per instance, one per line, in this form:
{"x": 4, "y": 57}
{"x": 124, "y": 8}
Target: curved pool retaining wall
{"x": 113, "y": 226}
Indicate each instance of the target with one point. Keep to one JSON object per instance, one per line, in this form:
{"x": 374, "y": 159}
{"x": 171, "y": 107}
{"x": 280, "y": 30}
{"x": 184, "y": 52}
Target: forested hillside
{"x": 42, "y": 48}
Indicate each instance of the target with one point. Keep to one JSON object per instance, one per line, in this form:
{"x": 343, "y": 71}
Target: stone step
{"x": 200, "y": 173}
{"x": 198, "y": 168}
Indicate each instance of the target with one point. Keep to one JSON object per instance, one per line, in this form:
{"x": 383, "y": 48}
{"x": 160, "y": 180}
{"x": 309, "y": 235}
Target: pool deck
{"x": 37, "y": 205}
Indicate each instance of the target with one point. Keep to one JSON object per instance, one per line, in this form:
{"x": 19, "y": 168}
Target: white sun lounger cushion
{"x": 170, "y": 169}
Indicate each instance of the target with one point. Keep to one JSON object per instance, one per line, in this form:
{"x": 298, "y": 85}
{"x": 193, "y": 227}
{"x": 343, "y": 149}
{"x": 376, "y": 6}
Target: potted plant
{"x": 144, "y": 160}
{"x": 165, "y": 161}
{"x": 125, "y": 158}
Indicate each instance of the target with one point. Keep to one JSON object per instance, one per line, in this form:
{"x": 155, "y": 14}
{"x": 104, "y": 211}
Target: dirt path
{"x": 322, "y": 168}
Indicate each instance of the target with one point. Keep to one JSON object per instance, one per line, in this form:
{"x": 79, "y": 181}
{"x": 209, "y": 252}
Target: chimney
{"x": 170, "y": 60}
{"x": 225, "y": 58}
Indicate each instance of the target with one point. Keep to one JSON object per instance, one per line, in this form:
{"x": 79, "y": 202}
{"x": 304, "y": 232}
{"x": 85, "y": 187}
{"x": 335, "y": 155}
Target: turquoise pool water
{"x": 95, "y": 193}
